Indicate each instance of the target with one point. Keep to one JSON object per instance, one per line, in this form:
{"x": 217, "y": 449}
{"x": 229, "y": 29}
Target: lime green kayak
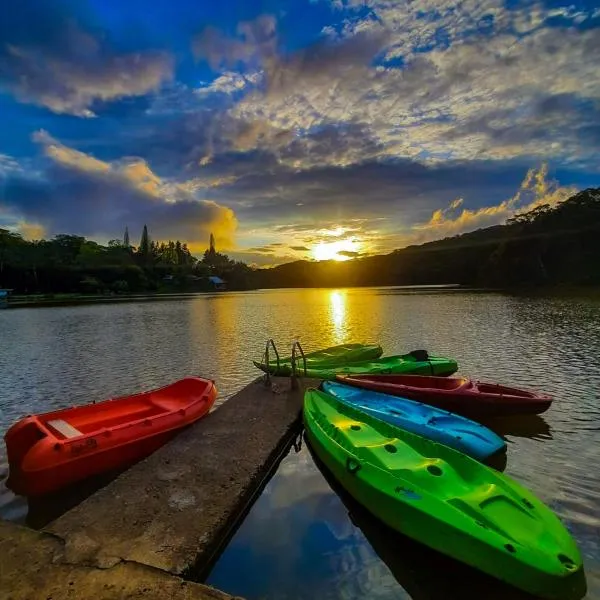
{"x": 322, "y": 359}
{"x": 405, "y": 363}
{"x": 445, "y": 499}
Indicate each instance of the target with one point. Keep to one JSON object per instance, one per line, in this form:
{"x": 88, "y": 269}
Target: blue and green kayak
{"x": 445, "y": 499}
{"x": 436, "y": 424}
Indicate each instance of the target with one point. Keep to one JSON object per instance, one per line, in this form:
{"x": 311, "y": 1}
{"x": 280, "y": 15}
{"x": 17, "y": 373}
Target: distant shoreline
{"x": 80, "y": 299}
{"x": 47, "y": 300}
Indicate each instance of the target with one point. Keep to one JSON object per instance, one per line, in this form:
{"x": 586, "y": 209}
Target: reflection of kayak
{"x": 533, "y": 427}
{"x": 413, "y": 362}
{"x": 320, "y": 359}
{"x": 49, "y": 451}
{"x": 412, "y": 563}
{"x": 457, "y": 394}
{"x": 444, "y": 499}
{"x": 430, "y": 422}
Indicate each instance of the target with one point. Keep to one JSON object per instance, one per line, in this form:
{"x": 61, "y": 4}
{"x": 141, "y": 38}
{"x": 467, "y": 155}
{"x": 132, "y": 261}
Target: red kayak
{"x": 455, "y": 394}
{"x": 49, "y": 451}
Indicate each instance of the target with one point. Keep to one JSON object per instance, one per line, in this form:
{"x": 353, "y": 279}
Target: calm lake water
{"x": 301, "y": 539}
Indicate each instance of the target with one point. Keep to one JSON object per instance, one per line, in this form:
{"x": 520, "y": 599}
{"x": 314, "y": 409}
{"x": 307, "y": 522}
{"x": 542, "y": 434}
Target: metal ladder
{"x": 294, "y": 376}
{"x": 270, "y": 342}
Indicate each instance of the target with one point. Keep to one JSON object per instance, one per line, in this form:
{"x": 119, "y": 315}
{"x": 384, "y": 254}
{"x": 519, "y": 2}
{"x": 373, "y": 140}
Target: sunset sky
{"x": 306, "y": 129}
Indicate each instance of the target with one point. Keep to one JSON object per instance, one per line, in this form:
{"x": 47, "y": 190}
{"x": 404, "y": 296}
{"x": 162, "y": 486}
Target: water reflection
{"x": 534, "y": 427}
{"x": 338, "y": 313}
{"x": 298, "y": 542}
{"x": 422, "y": 572}
{"x": 306, "y": 538}
{"x": 55, "y": 357}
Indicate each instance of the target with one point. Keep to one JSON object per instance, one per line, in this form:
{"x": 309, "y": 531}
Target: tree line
{"x": 74, "y": 264}
{"x": 547, "y": 246}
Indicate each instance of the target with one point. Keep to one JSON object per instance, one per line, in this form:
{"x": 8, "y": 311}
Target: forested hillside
{"x": 547, "y": 246}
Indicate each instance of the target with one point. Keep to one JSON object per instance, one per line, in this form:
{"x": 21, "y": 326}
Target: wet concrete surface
{"x": 36, "y": 566}
{"x": 172, "y": 510}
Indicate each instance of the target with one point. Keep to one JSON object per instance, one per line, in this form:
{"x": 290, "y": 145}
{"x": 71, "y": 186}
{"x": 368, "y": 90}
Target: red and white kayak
{"x": 49, "y": 451}
{"x": 455, "y": 394}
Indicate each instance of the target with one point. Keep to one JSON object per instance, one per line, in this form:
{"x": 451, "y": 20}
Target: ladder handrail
{"x": 295, "y": 345}
{"x": 271, "y": 342}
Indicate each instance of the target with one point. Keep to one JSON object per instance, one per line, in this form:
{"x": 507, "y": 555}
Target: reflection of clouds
{"x": 300, "y": 533}
{"x": 360, "y": 573}
{"x": 296, "y": 477}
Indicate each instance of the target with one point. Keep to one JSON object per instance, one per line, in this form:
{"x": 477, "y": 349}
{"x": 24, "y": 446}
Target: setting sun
{"x": 340, "y": 250}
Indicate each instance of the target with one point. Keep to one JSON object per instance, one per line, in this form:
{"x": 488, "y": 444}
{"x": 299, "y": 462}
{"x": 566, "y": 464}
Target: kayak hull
{"x": 49, "y": 451}
{"x": 327, "y": 358}
{"x": 405, "y": 363}
{"x": 446, "y": 500}
{"x": 433, "y": 423}
{"x": 463, "y": 396}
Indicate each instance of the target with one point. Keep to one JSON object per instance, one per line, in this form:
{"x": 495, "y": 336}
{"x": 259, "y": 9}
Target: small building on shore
{"x": 216, "y": 283}
{"x": 4, "y": 294}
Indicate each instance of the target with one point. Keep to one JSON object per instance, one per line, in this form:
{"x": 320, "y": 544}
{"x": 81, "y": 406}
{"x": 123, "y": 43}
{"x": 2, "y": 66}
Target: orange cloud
{"x": 77, "y": 193}
{"x": 536, "y": 189}
{"x": 31, "y": 231}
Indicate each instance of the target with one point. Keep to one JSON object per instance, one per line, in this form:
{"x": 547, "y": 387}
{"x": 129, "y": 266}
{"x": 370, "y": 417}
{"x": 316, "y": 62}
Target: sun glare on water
{"x": 336, "y": 250}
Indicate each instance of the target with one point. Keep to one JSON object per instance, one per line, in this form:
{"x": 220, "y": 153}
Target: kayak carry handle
{"x": 270, "y": 342}
{"x": 295, "y": 345}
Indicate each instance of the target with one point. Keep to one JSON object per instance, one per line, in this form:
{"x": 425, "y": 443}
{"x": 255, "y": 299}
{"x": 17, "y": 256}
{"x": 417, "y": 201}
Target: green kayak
{"x": 322, "y": 359}
{"x": 413, "y": 363}
{"x": 445, "y": 499}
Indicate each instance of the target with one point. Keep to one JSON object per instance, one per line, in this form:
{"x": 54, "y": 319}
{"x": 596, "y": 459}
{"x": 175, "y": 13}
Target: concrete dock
{"x": 33, "y": 566}
{"x": 169, "y": 515}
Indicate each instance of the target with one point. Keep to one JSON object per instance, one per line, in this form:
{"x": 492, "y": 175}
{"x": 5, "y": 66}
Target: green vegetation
{"x": 547, "y": 247}
{"x": 70, "y": 264}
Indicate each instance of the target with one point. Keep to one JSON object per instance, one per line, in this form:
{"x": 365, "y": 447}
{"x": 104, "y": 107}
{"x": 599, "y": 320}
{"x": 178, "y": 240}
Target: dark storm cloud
{"x": 255, "y": 42}
{"x": 197, "y": 143}
{"x": 403, "y": 191}
{"x": 51, "y": 55}
{"x": 258, "y": 45}
{"x": 323, "y": 59}
{"x": 300, "y": 248}
{"x": 563, "y": 121}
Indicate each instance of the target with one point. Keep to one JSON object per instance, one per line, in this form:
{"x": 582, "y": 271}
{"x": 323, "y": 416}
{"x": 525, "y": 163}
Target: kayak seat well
{"x": 170, "y": 403}
{"x": 490, "y": 388}
{"x": 90, "y": 422}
